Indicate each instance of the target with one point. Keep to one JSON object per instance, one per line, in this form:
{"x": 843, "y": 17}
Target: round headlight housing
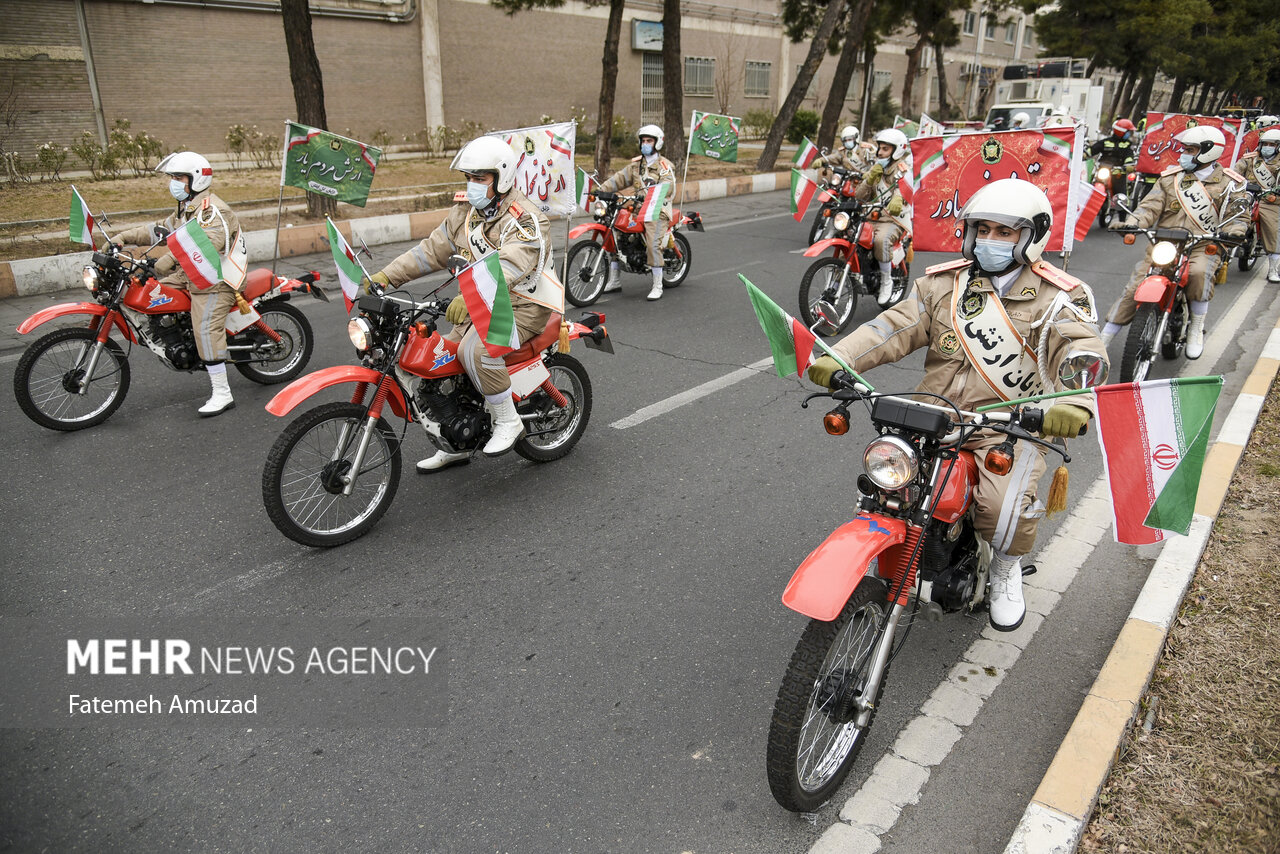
{"x": 599, "y": 208}
{"x": 1103, "y": 175}
{"x": 360, "y": 333}
{"x": 90, "y": 277}
{"x": 1164, "y": 253}
{"x": 891, "y": 463}
{"x": 840, "y": 220}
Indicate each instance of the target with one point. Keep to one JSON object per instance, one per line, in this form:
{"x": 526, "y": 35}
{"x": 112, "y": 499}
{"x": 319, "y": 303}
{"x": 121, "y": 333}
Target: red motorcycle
{"x": 334, "y": 470}
{"x": 840, "y": 188}
{"x": 77, "y": 377}
{"x": 616, "y": 235}
{"x": 1248, "y": 253}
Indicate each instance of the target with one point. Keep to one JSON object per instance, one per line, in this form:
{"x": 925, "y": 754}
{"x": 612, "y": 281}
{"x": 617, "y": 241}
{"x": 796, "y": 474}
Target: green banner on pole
{"x": 330, "y": 165}
{"x": 715, "y": 136}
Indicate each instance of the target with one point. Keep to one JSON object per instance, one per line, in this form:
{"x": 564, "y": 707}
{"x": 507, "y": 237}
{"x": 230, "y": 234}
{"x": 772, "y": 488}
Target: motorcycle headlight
{"x": 360, "y": 333}
{"x": 840, "y": 220}
{"x": 1164, "y": 253}
{"x": 891, "y": 463}
{"x": 599, "y": 208}
{"x": 90, "y": 276}
{"x": 1103, "y": 175}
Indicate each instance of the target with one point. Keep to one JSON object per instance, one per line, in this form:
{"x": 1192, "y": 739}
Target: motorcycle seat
{"x": 257, "y": 283}
{"x": 535, "y": 345}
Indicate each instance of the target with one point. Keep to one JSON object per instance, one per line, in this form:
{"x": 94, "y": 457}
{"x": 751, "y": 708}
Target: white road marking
{"x": 12, "y": 357}
{"x": 662, "y": 407}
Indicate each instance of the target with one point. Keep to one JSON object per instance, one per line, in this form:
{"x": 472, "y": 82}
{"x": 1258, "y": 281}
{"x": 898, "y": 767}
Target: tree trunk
{"x": 1204, "y": 97}
{"x": 944, "y": 108}
{"x": 773, "y": 143}
{"x": 308, "y": 87}
{"x": 913, "y": 71}
{"x": 608, "y": 88}
{"x": 1119, "y": 95}
{"x": 864, "y": 104}
{"x": 1143, "y": 98}
{"x": 848, "y": 63}
{"x": 1093, "y": 66}
{"x": 1179, "y": 90}
{"x": 672, "y": 84}
{"x": 1126, "y": 103}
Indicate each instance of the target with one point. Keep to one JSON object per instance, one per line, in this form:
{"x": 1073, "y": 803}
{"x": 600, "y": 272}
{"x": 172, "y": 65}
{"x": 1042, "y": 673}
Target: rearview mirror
{"x": 456, "y": 263}
{"x": 1083, "y": 370}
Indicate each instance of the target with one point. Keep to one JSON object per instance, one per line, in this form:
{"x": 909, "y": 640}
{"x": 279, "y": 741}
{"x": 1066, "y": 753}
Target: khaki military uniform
{"x": 639, "y": 175}
{"x": 1052, "y": 311}
{"x": 1266, "y": 174}
{"x": 518, "y": 232}
{"x": 858, "y": 160}
{"x": 1163, "y": 208}
{"x": 209, "y": 307}
{"x": 881, "y": 191}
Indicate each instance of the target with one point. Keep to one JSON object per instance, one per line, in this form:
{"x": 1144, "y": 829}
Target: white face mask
{"x": 178, "y": 189}
{"x": 1188, "y": 163}
{"x": 993, "y": 256}
{"x": 850, "y": 143}
{"x": 1267, "y": 151}
{"x": 478, "y": 195}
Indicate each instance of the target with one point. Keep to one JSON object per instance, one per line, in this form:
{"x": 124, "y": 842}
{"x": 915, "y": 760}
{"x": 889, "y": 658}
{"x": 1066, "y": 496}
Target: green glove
{"x": 895, "y": 205}
{"x": 366, "y": 284}
{"x": 874, "y": 173}
{"x": 1065, "y": 420}
{"x": 457, "y": 310}
{"x": 821, "y": 371}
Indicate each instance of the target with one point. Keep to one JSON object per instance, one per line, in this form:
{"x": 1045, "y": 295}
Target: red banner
{"x": 1159, "y": 150}
{"x": 1250, "y": 140}
{"x": 950, "y": 169}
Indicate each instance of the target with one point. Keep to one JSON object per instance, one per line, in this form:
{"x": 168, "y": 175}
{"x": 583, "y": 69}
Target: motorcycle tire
{"x": 1105, "y": 216}
{"x": 823, "y": 275}
{"x": 581, "y": 287}
{"x": 901, "y": 284}
{"x": 818, "y": 226}
{"x": 1140, "y": 344}
{"x": 809, "y": 754}
{"x": 300, "y": 487}
{"x": 289, "y": 358}
{"x": 677, "y": 266}
{"x": 1174, "y": 340}
{"x": 1246, "y": 259}
{"x": 556, "y": 429}
{"x": 52, "y": 363}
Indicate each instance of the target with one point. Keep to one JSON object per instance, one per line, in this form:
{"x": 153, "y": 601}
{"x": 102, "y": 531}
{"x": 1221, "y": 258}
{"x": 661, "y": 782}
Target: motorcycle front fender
{"x": 53, "y": 312}
{"x": 837, "y": 243}
{"x": 592, "y": 228}
{"x": 1152, "y": 289}
{"x": 828, "y": 576}
{"x": 302, "y": 388}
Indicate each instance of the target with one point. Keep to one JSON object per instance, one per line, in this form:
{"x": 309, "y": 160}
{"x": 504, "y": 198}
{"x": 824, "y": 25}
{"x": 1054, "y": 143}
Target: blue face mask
{"x": 993, "y": 256}
{"x": 883, "y": 162}
{"x": 178, "y": 189}
{"x": 478, "y": 195}
{"x": 850, "y": 143}
{"x": 1187, "y": 162}
{"x": 646, "y": 149}
{"x": 1267, "y": 151}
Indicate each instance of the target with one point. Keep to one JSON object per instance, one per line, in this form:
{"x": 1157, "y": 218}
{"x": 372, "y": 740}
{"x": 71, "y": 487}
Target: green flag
{"x": 325, "y": 163}
{"x": 715, "y": 136}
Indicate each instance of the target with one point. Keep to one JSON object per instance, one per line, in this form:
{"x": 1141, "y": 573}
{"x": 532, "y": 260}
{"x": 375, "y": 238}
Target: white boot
{"x": 656, "y": 291}
{"x": 1195, "y": 336}
{"x": 886, "y": 289}
{"x": 1109, "y": 332}
{"x": 1273, "y": 268}
{"x": 1007, "y": 607}
{"x": 220, "y": 401}
{"x": 507, "y": 427}
{"x": 442, "y": 460}
{"x": 612, "y": 284}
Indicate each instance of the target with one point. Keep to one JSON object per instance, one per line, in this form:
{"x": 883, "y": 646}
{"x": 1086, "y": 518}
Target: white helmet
{"x": 488, "y": 154}
{"x": 1271, "y": 136}
{"x": 849, "y": 133}
{"x": 188, "y": 163}
{"x": 1021, "y": 120}
{"x": 1017, "y": 204}
{"x": 653, "y": 131}
{"x": 1205, "y": 143}
{"x": 1267, "y": 121}
{"x": 896, "y": 138}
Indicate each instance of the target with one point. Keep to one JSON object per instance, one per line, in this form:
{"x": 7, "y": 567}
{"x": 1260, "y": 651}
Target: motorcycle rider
{"x": 851, "y": 155}
{"x": 648, "y": 169}
{"x": 490, "y": 216}
{"x": 1262, "y": 167}
{"x": 998, "y": 305}
{"x": 1021, "y": 121}
{"x": 1196, "y": 182}
{"x": 882, "y": 185}
{"x": 190, "y": 178}
{"x": 1120, "y": 148}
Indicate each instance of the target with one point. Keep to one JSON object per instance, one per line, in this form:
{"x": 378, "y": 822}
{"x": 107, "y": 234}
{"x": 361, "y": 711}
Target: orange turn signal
{"x": 421, "y": 328}
{"x": 1211, "y": 249}
{"x": 875, "y": 214}
{"x": 999, "y": 460}
{"x": 1130, "y": 239}
{"x": 836, "y": 423}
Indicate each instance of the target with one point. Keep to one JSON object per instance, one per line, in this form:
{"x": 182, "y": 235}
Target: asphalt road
{"x": 610, "y": 623}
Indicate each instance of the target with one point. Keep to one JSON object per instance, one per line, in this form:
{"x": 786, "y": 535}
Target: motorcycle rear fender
{"x": 838, "y": 243}
{"x": 591, "y": 228}
{"x": 828, "y": 576}
{"x": 53, "y": 312}
{"x": 304, "y": 387}
{"x": 1152, "y": 289}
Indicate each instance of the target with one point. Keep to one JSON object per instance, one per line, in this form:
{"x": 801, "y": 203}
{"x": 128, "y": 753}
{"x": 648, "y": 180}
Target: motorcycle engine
{"x": 949, "y": 560}
{"x": 635, "y": 252}
{"x": 457, "y": 409}
{"x": 173, "y": 332}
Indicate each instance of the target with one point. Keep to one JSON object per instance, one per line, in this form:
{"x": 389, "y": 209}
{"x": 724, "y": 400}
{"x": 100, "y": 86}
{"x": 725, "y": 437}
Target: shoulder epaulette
{"x": 1233, "y": 174}
{"x": 637, "y": 158}
{"x": 667, "y": 163}
{"x": 516, "y": 210}
{"x": 460, "y": 196}
{"x": 204, "y": 204}
{"x": 1058, "y": 278}
{"x": 957, "y": 264}
{"x": 1169, "y": 170}
{"x": 1248, "y": 155}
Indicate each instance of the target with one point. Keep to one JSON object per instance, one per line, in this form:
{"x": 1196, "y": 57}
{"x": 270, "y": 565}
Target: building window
{"x": 699, "y": 75}
{"x": 991, "y": 27}
{"x": 970, "y": 23}
{"x": 1010, "y": 33}
{"x": 1027, "y": 36}
{"x": 756, "y": 84}
{"x": 881, "y": 82}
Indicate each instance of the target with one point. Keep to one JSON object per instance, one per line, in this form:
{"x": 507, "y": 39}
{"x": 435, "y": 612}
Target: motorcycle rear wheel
{"x": 565, "y": 425}
{"x": 1140, "y": 344}
{"x": 822, "y": 280}
{"x": 300, "y": 481}
{"x": 1246, "y": 259}
{"x": 676, "y": 268}
{"x": 293, "y": 351}
{"x": 49, "y": 374}
{"x": 809, "y": 753}
{"x": 581, "y": 287}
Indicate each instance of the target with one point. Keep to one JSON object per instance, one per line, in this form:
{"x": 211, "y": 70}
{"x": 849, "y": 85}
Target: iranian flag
{"x": 803, "y": 189}
{"x": 585, "y": 186}
{"x": 654, "y": 198}
{"x": 1154, "y": 436}
{"x": 350, "y": 271}
{"x": 1092, "y": 199}
{"x": 792, "y": 343}
{"x": 484, "y": 288}
{"x": 197, "y": 255}
{"x": 81, "y": 220}
{"x": 805, "y": 154}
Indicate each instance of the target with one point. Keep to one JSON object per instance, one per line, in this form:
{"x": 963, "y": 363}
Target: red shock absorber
{"x": 380, "y": 397}
{"x": 266, "y": 330}
{"x": 897, "y": 562}
{"x": 557, "y": 397}
{"x": 357, "y": 396}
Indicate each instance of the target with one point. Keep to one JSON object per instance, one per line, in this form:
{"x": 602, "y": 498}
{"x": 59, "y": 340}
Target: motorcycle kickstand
{"x": 865, "y": 702}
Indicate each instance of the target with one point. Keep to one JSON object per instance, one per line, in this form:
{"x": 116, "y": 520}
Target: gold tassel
{"x": 242, "y": 303}
{"x": 911, "y": 254}
{"x": 1058, "y": 492}
{"x": 564, "y": 336}
{"x": 1220, "y": 276}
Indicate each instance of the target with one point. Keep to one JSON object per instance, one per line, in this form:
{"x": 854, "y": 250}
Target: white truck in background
{"x": 1042, "y": 88}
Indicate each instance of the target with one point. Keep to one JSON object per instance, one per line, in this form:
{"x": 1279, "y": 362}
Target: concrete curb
{"x": 1059, "y": 812}
{"x": 61, "y": 272}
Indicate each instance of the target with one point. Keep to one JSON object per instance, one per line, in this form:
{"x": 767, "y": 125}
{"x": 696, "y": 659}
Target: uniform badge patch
{"x": 1028, "y": 291}
{"x": 971, "y": 305}
{"x": 949, "y": 343}
{"x": 992, "y": 151}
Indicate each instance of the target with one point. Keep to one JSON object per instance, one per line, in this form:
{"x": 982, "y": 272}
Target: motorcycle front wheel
{"x": 1140, "y": 344}
{"x": 814, "y": 737}
{"x": 677, "y": 265}
{"x": 1174, "y": 340}
{"x": 829, "y": 280}
{"x": 1247, "y": 258}
{"x": 554, "y": 429}
{"x": 819, "y": 225}
{"x": 302, "y": 482}
{"x": 582, "y": 286}
{"x": 288, "y": 358}
{"x": 51, "y": 373}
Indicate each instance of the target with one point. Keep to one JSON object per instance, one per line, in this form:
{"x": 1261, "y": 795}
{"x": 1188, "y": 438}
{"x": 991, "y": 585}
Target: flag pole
{"x": 1089, "y": 390}
{"x": 284, "y": 154}
{"x": 688, "y": 147}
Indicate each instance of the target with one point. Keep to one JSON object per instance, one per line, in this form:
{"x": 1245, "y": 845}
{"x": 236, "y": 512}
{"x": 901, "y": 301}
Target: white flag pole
{"x": 687, "y": 148}
{"x": 275, "y": 249}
